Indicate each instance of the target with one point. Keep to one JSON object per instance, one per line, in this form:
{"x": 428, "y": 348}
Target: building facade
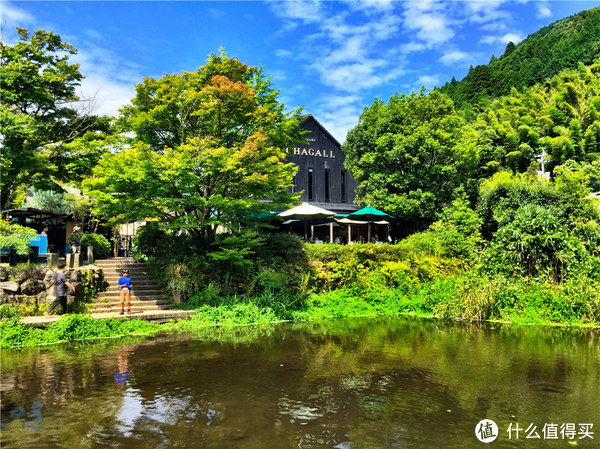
{"x": 322, "y": 177}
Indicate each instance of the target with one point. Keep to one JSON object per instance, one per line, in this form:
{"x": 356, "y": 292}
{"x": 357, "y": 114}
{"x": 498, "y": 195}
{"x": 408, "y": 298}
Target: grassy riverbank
{"x": 463, "y": 296}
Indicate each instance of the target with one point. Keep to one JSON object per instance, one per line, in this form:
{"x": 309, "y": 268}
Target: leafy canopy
{"x": 208, "y": 151}
{"x": 15, "y": 236}
{"x": 409, "y": 155}
{"x": 48, "y": 136}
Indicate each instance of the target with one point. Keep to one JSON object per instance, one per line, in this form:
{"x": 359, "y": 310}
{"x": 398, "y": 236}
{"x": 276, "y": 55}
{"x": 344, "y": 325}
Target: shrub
{"x": 100, "y": 244}
{"x": 535, "y": 242}
{"x": 9, "y": 311}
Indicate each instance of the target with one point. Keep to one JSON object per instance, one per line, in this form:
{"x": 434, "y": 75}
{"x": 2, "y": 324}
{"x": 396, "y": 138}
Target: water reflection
{"x": 344, "y": 383}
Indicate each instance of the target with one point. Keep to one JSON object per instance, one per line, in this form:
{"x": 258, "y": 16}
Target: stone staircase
{"x": 146, "y": 295}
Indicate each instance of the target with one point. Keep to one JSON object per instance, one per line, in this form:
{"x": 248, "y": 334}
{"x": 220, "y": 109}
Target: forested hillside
{"x": 559, "y": 46}
{"x": 559, "y": 116}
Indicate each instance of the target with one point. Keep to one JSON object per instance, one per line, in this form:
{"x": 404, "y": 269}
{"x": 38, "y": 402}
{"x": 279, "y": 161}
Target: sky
{"x": 333, "y": 58}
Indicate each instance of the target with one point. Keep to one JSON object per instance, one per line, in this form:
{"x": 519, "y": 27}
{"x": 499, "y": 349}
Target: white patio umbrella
{"x": 350, "y": 223}
{"x": 306, "y": 212}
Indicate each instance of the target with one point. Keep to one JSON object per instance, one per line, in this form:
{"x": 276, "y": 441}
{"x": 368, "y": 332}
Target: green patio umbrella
{"x": 369, "y": 214}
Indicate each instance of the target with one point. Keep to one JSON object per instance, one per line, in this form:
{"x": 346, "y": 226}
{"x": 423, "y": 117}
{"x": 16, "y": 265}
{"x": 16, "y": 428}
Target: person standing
{"x": 125, "y": 284}
{"x": 44, "y": 231}
{"x": 75, "y": 241}
{"x": 61, "y": 286}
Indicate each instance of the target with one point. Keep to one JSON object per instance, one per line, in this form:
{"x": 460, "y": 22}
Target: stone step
{"x": 119, "y": 270}
{"x": 159, "y": 302}
{"x": 113, "y": 287}
{"x": 138, "y": 276}
{"x": 117, "y": 308}
{"x": 145, "y": 277}
{"x": 118, "y": 263}
{"x": 102, "y": 297}
{"x": 134, "y": 281}
{"x": 157, "y": 316}
{"x": 135, "y": 291}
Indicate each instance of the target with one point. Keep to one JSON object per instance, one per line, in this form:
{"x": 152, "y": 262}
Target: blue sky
{"x": 332, "y": 57}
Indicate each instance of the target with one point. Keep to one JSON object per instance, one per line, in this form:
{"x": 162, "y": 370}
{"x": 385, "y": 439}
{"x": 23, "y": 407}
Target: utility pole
{"x": 542, "y": 159}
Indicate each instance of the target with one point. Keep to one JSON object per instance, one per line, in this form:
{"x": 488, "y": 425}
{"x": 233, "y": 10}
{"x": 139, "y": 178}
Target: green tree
{"x": 50, "y": 200}
{"x": 48, "y": 137}
{"x": 208, "y": 151}
{"x": 409, "y": 155}
{"x": 15, "y": 236}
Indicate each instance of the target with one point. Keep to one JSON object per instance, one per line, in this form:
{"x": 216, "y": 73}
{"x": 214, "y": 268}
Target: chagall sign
{"x": 311, "y": 152}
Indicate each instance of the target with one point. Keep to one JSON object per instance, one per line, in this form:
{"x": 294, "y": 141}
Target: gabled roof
{"x": 309, "y": 117}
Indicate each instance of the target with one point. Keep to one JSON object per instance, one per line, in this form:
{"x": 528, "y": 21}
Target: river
{"x": 348, "y": 383}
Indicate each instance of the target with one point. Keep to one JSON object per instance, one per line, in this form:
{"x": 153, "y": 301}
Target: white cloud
{"x": 107, "y": 77}
{"x": 428, "y": 81}
{"x": 370, "y": 7}
{"x": 511, "y": 37}
{"x": 12, "y": 16}
{"x": 485, "y": 11}
{"x": 347, "y": 56}
{"x": 338, "y": 113}
{"x": 93, "y": 34}
{"x": 488, "y": 39}
{"x": 452, "y": 57}
{"x": 307, "y": 11}
{"x": 412, "y": 47}
{"x": 428, "y": 20}
{"x": 215, "y": 14}
{"x": 496, "y": 26}
{"x": 543, "y": 10}
{"x": 505, "y": 39}
{"x": 280, "y": 53}
{"x": 279, "y": 75}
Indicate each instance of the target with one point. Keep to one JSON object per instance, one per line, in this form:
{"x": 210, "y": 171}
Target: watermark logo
{"x": 486, "y": 431}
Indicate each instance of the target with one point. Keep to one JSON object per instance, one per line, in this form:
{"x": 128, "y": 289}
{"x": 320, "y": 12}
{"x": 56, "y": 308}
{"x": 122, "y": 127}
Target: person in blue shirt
{"x": 125, "y": 284}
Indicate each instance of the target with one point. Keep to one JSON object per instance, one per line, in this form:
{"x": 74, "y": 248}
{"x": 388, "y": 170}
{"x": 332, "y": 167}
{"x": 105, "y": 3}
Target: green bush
{"x": 100, "y": 244}
{"x": 535, "y": 242}
{"x": 9, "y": 311}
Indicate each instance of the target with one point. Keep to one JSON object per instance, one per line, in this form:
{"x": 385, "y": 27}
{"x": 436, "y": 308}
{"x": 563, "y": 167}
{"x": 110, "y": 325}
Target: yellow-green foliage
{"x": 367, "y": 267}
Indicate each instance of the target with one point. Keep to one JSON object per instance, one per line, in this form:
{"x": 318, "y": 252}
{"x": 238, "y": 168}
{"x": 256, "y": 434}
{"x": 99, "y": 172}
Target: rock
{"x": 48, "y": 278}
{"x": 32, "y": 287}
{"x": 50, "y": 296}
{"x": 178, "y": 297}
{"x": 4, "y": 274}
{"x": 38, "y": 273}
{"x": 20, "y": 275}
{"x": 74, "y": 276}
{"x": 9, "y": 287}
{"x": 41, "y": 298}
{"x": 6, "y": 298}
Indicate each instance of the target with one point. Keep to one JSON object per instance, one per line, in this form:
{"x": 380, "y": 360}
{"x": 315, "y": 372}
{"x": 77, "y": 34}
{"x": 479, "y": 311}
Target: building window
{"x": 294, "y": 184}
{"x": 327, "y": 199}
{"x": 343, "y": 186}
{"x": 310, "y": 184}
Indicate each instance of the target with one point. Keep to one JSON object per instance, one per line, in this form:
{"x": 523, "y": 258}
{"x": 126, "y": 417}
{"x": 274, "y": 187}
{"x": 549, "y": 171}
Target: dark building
{"x": 322, "y": 177}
